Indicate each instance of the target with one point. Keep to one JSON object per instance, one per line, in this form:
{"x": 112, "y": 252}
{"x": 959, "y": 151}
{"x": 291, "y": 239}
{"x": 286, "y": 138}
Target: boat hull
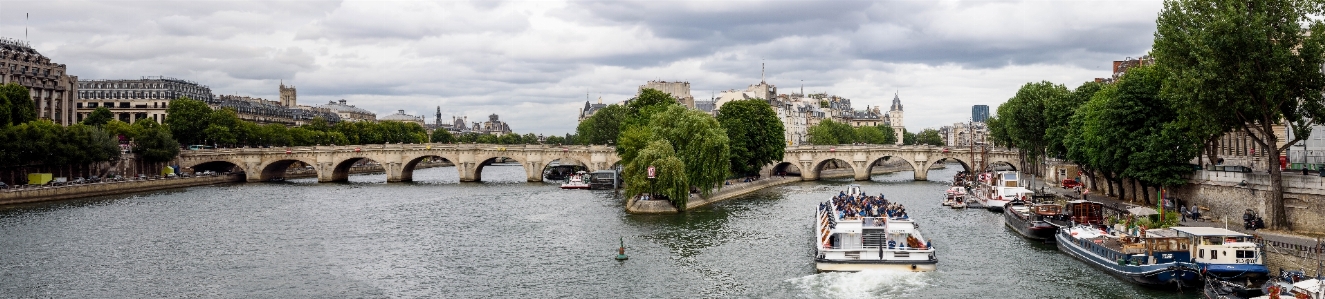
{"x": 1036, "y": 230}
{"x": 996, "y": 205}
{"x": 575, "y": 187}
{"x": 1158, "y": 275}
{"x": 825, "y": 265}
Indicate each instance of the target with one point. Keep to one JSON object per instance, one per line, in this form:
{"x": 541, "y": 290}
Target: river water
{"x": 502, "y": 238}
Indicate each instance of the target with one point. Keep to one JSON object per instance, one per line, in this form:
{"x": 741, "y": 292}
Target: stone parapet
{"x": 29, "y": 195}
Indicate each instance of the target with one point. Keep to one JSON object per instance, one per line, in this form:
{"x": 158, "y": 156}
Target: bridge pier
{"x": 534, "y": 171}
{"x": 808, "y": 172}
{"x": 862, "y": 170}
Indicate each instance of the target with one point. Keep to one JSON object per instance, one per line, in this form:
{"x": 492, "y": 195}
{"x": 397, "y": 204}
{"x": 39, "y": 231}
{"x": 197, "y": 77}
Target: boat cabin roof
{"x": 1208, "y": 231}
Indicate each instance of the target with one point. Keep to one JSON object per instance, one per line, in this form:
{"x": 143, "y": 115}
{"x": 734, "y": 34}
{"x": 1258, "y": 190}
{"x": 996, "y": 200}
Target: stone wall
{"x": 1290, "y": 256}
{"x": 300, "y": 173}
{"x": 842, "y": 171}
{"x": 1229, "y": 194}
{"x": 27, "y": 195}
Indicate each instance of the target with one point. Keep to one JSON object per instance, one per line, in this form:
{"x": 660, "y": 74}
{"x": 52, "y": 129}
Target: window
{"x": 1202, "y": 254}
{"x": 1214, "y": 255}
{"x": 92, "y": 104}
{"x": 1245, "y": 254}
{"x": 80, "y": 105}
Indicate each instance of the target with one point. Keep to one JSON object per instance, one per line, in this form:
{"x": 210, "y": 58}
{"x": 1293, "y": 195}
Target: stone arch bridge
{"x": 862, "y": 158}
{"x": 332, "y": 163}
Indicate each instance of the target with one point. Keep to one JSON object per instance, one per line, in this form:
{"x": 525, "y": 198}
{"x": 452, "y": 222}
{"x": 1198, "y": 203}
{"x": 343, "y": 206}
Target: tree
{"x": 671, "y": 180}
{"x": 1058, "y": 112}
{"x": 755, "y": 134}
{"x": 555, "y": 140}
{"x": 442, "y": 136}
{"x": 187, "y": 118}
{"x": 930, "y": 137}
{"x": 872, "y": 135}
{"x": 154, "y": 143}
{"x": 700, "y": 143}
{"x": 1023, "y": 118}
{"x": 603, "y": 126}
{"x": 908, "y": 138}
{"x": 829, "y": 132}
{"x": 486, "y": 138}
{"x": 889, "y": 135}
{"x": 21, "y": 108}
{"x": 1247, "y": 65}
{"x": 99, "y": 117}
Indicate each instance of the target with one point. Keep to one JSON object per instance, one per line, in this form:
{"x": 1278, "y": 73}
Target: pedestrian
{"x": 1185, "y": 214}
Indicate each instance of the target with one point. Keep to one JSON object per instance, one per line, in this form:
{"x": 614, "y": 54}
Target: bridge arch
{"x": 407, "y": 169}
{"x": 785, "y": 168}
{"x": 1002, "y": 162}
{"x": 485, "y": 160}
{"x": 341, "y": 171}
{"x": 276, "y": 169}
{"x": 566, "y": 165}
{"x": 834, "y": 163}
{"x": 215, "y": 166}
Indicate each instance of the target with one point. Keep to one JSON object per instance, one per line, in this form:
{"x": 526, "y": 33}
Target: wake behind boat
{"x": 856, "y": 232}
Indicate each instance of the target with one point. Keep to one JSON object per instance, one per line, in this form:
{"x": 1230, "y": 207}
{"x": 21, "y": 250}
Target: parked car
{"x": 1071, "y": 184}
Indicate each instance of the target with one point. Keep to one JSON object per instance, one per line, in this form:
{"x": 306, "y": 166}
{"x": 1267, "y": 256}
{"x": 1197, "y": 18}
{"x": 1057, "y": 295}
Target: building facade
{"x": 493, "y": 126}
{"x": 980, "y": 113}
{"x": 133, "y": 99}
{"x": 53, "y": 92}
{"x": 401, "y": 116}
{"x": 285, "y": 111}
{"x": 679, "y": 90}
{"x": 589, "y": 109}
{"x": 350, "y": 113}
{"x": 965, "y": 134}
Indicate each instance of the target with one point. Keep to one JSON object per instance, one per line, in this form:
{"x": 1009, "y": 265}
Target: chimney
{"x": 342, "y": 101}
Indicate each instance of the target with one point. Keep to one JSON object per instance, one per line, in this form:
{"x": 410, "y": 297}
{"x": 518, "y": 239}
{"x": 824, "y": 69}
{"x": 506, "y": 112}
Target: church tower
{"x": 287, "y": 95}
{"x": 895, "y": 118}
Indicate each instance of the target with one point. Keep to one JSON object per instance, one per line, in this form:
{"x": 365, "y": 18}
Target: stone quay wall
{"x": 1292, "y": 256}
{"x": 1229, "y": 194}
{"x": 38, "y": 194}
{"x": 636, "y": 206}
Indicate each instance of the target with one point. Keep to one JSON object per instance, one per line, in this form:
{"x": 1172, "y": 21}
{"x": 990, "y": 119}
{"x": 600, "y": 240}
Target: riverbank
{"x": 1283, "y": 250}
{"x": 39, "y": 194}
{"x": 636, "y": 206}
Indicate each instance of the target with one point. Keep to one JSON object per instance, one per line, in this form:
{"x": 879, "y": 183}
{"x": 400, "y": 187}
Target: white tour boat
{"x": 576, "y": 181}
{"x": 1001, "y": 188}
{"x": 854, "y": 232}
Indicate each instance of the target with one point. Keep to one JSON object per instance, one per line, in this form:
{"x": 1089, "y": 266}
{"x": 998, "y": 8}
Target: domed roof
{"x": 400, "y": 116}
{"x": 342, "y": 107}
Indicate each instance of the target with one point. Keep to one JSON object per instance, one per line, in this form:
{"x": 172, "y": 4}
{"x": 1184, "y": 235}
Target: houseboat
{"x": 1032, "y": 220}
{"x": 1232, "y": 262}
{"x": 1158, "y": 257}
{"x": 856, "y": 232}
{"x": 1000, "y": 188}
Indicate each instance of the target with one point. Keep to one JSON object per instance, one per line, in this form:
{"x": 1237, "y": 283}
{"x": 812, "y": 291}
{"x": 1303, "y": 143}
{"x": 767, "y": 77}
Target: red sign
{"x": 652, "y": 172}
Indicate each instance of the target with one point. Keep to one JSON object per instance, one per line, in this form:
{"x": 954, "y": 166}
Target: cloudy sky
{"x": 532, "y": 62}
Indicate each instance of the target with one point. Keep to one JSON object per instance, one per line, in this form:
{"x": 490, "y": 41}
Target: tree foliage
{"x": 670, "y": 173}
{"x": 700, "y": 143}
{"x": 187, "y": 119}
{"x": 18, "y": 104}
{"x": 930, "y": 137}
{"x": 99, "y": 117}
{"x": 828, "y": 132}
{"x": 1247, "y": 65}
{"x": 755, "y": 134}
{"x": 603, "y": 127}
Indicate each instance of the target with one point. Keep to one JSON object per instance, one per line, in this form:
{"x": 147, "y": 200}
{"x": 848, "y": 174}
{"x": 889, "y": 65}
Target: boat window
{"x": 1214, "y": 255}
{"x": 1202, "y": 254}
{"x": 1246, "y": 254}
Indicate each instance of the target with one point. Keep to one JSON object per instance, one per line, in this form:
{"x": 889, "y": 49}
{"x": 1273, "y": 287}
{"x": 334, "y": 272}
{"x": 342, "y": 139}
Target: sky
{"x": 535, "y": 63}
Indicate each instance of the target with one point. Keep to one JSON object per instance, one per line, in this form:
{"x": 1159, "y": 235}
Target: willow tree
{"x": 1247, "y": 65}
{"x": 700, "y": 143}
{"x": 669, "y": 180}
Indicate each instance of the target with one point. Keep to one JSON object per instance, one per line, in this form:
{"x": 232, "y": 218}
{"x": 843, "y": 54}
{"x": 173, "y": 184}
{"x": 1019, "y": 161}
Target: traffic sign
{"x": 652, "y": 172}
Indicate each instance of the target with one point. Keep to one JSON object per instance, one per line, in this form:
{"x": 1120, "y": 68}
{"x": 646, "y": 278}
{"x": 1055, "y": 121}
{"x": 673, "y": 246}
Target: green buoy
{"x": 621, "y": 251}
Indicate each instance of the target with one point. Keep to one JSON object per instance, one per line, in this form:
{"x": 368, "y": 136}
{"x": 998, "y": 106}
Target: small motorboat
{"x": 576, "y": 181}
{"x": 950, "y": 196}
{"x": 958, "y": 202}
